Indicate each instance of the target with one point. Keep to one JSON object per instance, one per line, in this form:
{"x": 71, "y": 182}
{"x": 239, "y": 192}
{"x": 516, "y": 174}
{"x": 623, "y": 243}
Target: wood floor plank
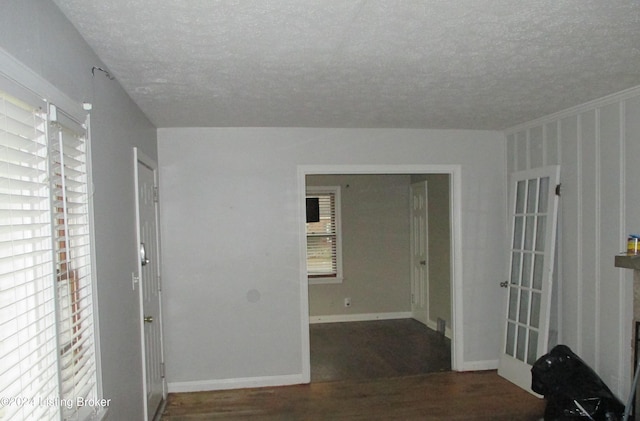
{"x": 382, "y": 370}
{"x": 374, "y": 349}
{"x": 475, "y": 396}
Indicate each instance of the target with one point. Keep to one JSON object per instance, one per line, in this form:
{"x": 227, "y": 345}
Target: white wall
{"x": 231, "y": 219}
{"x": 597, "y": 146}
{"x": 38, "y": 35}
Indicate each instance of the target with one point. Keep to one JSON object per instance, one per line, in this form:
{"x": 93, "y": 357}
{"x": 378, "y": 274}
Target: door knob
{"x": 423, "y": 262}
{"x": 148, "y": 319}
{"x": 143, "y": 255}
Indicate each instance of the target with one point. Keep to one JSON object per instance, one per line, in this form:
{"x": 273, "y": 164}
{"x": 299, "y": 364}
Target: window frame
{"x": 337, "y": 211}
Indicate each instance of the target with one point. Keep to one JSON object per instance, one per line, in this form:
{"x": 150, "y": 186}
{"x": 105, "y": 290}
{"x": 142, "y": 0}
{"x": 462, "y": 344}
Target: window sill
{"x": 327, "y": 280}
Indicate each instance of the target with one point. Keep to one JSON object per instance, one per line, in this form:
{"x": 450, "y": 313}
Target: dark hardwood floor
{"x": 383, "y": 370}
{"x": 376, "y": 349}
{"x": 448, "y": 396}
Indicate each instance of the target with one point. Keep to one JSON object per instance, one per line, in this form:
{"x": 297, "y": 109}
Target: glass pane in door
{"x": 511, "y": 338}
{"x": 532, "y": 348}
{"x": 513, "y": 303}
{"x": 520, "y": 195}
{"x": 515, "y": 268}
{"x": 532, "y": 196}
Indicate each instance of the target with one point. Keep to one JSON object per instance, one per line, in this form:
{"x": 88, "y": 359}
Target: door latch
{"x": 504, "y": 284}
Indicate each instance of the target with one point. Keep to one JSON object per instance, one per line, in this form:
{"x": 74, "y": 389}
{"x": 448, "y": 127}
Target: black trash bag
{"x": 573, "y": 391}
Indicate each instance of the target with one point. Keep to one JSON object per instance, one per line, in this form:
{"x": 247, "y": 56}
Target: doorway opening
{"x": 376, "y": 289}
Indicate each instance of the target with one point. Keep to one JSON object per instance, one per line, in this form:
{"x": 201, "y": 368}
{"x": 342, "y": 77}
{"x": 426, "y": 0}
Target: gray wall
{"x": 596, "y": 146}
{"x": 375, "y": 230}
{"x": 234, "y": 281}
{"x": 38, "y": 35}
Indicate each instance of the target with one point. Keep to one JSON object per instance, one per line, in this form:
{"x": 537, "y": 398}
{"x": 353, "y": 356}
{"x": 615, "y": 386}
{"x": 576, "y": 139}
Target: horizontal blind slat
{"x": 30, "y": 144}
{"x": 8, "y": 200}
{"x": 23, "y": 127}
{"x": 20, "y": 260}
{"x": 20, "y": 186}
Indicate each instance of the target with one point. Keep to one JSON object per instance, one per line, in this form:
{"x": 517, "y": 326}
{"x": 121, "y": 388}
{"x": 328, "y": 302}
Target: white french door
{"x": 533, "y": 211}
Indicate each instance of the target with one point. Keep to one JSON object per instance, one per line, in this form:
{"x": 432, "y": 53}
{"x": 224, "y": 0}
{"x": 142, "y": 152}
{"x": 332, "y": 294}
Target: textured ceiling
{"x": 464, "y": 64}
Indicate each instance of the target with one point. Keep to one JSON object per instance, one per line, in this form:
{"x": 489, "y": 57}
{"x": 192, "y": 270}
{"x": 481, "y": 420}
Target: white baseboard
{"x": 363, "y": 317}
{"x": 479, "y": 365}
{"x": 239, "y": 383}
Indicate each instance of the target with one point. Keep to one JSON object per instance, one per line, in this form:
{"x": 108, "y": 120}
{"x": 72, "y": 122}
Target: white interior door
{"x": 149, "y": 284}
{"x": 419, "y": 257}
{"x": 533, "y": 208}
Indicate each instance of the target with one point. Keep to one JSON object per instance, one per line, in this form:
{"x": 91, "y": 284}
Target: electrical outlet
{"x": 347, "y": 302}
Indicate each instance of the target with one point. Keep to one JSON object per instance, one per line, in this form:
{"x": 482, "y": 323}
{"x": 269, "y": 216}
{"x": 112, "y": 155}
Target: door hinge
{"x": 156, "y": 195}
{"x": 558, "y": 189}
{"x": 162, "y": 370}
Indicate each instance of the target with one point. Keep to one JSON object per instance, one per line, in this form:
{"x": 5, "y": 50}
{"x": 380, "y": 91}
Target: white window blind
{"x": 28, "y": 346}
{"x": 47, "y": 348}
{"x": 323, "y": 237}
{"x": 70, "y": 198}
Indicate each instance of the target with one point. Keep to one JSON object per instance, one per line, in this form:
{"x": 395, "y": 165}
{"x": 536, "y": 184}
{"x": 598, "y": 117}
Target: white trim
{"x": 568, "y": 112}
{"x": 139, "y": 158}
{"x": 305, "y": 346}
{"x": 597, "y": 246}
{"x": 559, "y": 241}
{"x": 544, "y": 145}
{"x": 237, "y": 383}
{"x": 457, "y": 340}
{"x": 625, "y": 278}
{"x": 362, "y": 317}
{"x": 578, "y": 245}
{"x": 479, "y": 365}
{"x": 527, "y": 141}
{"x": 455, "y": 179}
{"x": 376, "y": 169}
